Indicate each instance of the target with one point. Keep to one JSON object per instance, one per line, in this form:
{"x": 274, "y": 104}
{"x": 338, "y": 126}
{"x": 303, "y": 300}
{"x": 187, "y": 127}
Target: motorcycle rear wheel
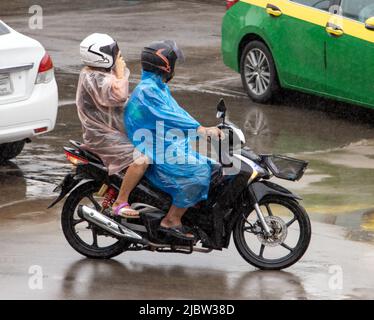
{"x": 296, "y": 252}
{"x": 69, "y": 221}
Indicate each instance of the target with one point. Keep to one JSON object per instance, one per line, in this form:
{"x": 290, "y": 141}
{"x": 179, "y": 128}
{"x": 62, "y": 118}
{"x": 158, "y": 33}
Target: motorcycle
{"x": 270, "y": 229}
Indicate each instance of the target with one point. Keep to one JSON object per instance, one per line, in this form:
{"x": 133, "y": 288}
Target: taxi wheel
{"x": 258, "y": 72}
{"x": 10, "y": 150}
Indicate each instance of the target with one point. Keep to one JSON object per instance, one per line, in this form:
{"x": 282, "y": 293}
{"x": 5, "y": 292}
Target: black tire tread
{"x": 305, "y": 230}
{"x": 69, "y": 208}
{"x": 10, "y": 150}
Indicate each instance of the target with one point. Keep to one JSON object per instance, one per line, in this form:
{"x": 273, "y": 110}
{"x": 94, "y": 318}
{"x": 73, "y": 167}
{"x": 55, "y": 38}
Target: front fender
{"x": 265, "y": 188}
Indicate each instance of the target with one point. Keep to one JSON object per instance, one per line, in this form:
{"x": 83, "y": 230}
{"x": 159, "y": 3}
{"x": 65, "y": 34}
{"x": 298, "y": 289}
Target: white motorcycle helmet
{"x": 99, "y": 50}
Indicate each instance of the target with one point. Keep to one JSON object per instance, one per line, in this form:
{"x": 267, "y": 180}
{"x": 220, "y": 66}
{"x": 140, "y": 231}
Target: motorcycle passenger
{"x": 151, "y": 104}
{"x": 103, "y": 89}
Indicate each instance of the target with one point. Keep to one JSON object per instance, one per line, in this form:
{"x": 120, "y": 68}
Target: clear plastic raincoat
{"x": 100, "y": 100}
{"x": 162, "y": 130}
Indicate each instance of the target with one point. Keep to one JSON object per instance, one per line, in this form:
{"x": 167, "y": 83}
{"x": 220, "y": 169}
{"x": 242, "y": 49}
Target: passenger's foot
{"x": 179, "y": 231}
{"x": 124, "y": 210}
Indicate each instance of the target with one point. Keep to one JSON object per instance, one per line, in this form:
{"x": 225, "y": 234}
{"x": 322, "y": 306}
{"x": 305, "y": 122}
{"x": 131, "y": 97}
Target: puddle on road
{"x": 337, "y": 188}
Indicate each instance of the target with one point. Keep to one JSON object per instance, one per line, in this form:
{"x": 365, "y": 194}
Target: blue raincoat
{"x": 159, "y": 128}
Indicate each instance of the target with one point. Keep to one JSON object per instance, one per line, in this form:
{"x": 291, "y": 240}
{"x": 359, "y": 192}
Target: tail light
{"x": 45, "y": 72}
{"x": 75, "y": 159}
{"x": 230, "y": 3}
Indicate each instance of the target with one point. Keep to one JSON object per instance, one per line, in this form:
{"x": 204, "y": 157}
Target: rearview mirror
{"x": 221, "y": 106}
{"x": 221, "y": 109}
{"x": 369, "y": 24}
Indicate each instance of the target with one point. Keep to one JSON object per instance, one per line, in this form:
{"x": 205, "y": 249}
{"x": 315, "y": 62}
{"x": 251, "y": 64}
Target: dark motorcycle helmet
{"x": 160, "y": 57}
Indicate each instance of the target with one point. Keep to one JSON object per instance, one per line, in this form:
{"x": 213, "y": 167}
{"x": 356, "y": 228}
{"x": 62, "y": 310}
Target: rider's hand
{"x": 214, "y": 132}
{"x": 211, "y": 132}
{"x": 119, "y": 67}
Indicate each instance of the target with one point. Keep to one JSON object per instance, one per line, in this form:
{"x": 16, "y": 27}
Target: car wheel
{"x": 10, "y": 150}
{"x": 258, "y": 72}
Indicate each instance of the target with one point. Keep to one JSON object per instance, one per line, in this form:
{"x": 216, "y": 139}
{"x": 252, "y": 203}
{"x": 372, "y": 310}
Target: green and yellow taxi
{"x": 323, "y": 47}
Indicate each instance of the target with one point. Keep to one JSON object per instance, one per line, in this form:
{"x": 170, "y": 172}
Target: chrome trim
{"x": 108, "y": 224}
{"x": 260, "y": 216}
{"x": 22, "y": 67}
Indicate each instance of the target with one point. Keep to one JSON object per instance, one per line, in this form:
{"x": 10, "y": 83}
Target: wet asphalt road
{"x": 337, "y": 139}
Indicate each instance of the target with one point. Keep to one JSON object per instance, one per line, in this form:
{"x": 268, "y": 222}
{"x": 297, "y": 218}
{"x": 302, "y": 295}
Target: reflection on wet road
{"x": 32, "y": 236}
{"x": 196, "y": 283}
{"x": 337, "y": 140}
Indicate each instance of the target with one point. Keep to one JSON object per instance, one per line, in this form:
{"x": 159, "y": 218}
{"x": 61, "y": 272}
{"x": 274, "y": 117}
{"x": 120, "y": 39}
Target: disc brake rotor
{"x": 279, "y": 232}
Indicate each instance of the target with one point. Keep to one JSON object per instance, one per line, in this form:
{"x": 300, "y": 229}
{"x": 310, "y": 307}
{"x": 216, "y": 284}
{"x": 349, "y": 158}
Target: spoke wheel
{"x": 291, "y": 233}
{"x": 258, "y": 72}
{"x": 83, "y": 236}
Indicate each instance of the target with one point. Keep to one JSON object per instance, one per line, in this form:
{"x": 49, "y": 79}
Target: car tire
{"x": 10, "y": 150}
{"x": 259, "y": 80}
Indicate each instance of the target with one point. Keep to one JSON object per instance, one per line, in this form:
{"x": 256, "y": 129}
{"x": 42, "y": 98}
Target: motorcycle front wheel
{"x": 86, "y": 238}
{"x": 291, "y": 234}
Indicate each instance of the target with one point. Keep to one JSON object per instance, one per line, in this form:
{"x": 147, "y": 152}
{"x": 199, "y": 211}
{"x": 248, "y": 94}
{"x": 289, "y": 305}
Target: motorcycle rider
{"x": 152, "y": 104}
{"x": 103, "y": 89}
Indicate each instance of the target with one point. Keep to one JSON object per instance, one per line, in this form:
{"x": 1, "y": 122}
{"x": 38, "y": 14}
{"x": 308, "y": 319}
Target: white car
{"x": 28, "y": 91}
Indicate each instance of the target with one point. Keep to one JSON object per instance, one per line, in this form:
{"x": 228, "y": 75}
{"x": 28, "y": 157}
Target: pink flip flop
{"x": 124, "y": 209}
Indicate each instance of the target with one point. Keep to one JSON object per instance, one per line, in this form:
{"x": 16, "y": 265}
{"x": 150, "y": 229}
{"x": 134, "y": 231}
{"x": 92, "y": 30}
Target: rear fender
{"x": 84, "y": 174}
{"x": 70, "y": 182}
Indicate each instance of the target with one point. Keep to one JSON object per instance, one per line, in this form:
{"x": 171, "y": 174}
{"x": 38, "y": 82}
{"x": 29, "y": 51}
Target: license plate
{"x": 5, "y": 85}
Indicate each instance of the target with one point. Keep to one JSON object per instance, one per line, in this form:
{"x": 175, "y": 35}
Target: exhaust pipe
{"x": 109, "y": 225}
